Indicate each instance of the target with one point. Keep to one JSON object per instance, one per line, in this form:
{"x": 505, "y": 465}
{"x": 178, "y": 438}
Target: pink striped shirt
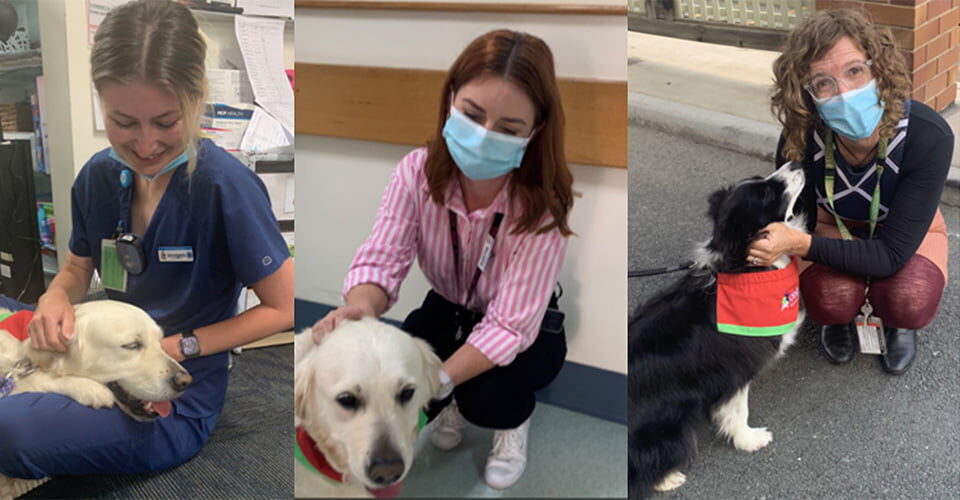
{"x": 513, "y": 291}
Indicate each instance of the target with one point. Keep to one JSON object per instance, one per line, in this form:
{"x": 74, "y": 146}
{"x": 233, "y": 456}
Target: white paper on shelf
{"x": 96, "y": 11}
{"x": 261, "y": 43}
{"x": 277, "y": 185}
{"x": 229, "y": 86}
{"x": 279, "y": 8}
{"x": 264, "y": 134}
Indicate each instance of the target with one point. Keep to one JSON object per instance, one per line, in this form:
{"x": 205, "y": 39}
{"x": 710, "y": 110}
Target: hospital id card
{"x": 113, "y": 276}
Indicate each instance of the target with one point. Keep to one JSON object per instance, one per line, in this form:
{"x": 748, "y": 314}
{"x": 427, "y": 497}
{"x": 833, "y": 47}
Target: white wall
{"x": 340, "y": 182}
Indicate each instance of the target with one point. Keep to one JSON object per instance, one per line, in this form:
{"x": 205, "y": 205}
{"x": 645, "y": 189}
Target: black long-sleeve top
{"x": 916, "y": 169}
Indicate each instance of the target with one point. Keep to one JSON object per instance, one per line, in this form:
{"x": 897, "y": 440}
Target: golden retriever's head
{"x": 359, "y": 394}
{"x": 118, "y": 345}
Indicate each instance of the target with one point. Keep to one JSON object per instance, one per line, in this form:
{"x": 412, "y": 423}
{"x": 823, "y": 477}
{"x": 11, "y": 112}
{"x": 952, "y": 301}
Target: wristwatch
{"x": 189, "y": 345}
{"x": 446, "y": 385}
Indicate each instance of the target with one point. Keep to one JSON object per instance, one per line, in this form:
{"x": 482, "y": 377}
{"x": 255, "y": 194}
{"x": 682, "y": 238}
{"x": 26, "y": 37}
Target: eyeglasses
{"x": 856, "y": 75}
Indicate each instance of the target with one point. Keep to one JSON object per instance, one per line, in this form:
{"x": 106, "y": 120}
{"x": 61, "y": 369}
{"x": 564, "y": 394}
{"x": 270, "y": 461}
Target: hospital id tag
{"x": 112, "y": 274}
{"x": 870, "y": 331}
{"x": 485, "y": 253}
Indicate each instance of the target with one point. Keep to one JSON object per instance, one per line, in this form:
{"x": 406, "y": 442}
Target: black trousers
{"x": 502, "y": 397}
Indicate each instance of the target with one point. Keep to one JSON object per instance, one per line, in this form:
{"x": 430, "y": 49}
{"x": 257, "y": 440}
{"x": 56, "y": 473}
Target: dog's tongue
{"x": 391, "y": 491}
{"x": 161, "y": 407}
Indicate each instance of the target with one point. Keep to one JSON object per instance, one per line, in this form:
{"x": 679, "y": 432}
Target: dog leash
{"x": 656, "y": 271}
{"x": 23, "y": 368}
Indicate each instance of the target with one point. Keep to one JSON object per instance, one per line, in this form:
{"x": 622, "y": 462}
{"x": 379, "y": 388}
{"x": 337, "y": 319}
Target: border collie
{"x": 683, "y": 371}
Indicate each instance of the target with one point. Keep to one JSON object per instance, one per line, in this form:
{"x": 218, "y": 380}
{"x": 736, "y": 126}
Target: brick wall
{"x": 928, "y": 34}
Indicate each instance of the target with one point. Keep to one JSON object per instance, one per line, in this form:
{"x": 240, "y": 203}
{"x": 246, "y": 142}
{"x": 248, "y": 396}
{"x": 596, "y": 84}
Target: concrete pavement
{"x": 840, "y": 432}
{"x": 719, "y": 95}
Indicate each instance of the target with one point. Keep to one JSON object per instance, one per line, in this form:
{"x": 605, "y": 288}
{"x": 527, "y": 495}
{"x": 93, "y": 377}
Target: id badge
{"x": 175, "y": 254}
{"x": 485, "y": 253}
{"x": 112, "y": 274}
{"x": 870, "y": 331}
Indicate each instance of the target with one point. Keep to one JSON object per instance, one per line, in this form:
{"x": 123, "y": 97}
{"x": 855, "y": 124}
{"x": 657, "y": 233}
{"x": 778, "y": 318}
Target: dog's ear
{"x": 302, "y": 344}
{"x": 302, "y": 390}
{"x": 716, "y": 201}
{"x": 431, "y": 368}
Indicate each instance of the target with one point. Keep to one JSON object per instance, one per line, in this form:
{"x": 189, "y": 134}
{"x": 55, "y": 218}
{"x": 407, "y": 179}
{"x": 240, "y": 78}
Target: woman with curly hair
{"x": 876, "y": 162}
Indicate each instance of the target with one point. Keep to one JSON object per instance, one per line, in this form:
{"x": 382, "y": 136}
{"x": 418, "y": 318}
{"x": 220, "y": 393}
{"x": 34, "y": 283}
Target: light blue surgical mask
{"x": 481, "y": 154}
{"x": 176, "y": 162}
{"x": 853, "y": 114}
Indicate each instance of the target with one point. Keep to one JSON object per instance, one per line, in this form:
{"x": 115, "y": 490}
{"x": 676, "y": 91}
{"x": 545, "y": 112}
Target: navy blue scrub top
{"x": 222, "y": 212}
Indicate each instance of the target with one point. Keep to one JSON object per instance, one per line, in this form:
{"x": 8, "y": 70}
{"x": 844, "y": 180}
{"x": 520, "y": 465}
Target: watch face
{"x": 190, "y": 346}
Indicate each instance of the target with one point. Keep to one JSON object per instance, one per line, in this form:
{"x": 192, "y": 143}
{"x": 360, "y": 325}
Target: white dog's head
{"x": 118, "y": 345}
{"x": 359, "y": 394}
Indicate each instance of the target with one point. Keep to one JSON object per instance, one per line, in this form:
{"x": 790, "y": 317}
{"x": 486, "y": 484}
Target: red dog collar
{"x": 16, "y": 323}
{"x": 760, "y": 304}
{"x": 306, "y": 452}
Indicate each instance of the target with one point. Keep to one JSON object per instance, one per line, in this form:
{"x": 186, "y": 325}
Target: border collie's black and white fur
{"x": 682, "y": 371}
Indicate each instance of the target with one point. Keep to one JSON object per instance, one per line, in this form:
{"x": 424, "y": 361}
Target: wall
{"x": 340, "y": 181}
{"x": 928, "y": 36}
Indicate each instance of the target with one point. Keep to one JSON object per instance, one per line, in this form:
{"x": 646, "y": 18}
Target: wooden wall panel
{"x": 512, "y": 8}
{"x": 399, "y": 106}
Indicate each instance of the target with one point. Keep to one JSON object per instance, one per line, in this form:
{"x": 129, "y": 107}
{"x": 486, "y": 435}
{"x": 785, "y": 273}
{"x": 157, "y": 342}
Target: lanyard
{"x": 485, "y": 256}
{"x": 831, "y": 168}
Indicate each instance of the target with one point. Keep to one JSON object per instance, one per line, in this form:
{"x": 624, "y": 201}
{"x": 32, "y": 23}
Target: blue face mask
{"x": 481, "y": 154}
{"x": 170, "y": 166}
{"x": 853, "y": 114}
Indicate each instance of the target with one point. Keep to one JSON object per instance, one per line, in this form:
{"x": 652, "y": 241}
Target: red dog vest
{"x": 761, "y": 304}
{"x": 16, "y": 323}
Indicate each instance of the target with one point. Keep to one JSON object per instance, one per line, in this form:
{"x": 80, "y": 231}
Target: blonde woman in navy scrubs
{"x": 205, "y": 227}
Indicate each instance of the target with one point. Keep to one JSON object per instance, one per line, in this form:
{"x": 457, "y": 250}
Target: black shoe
{"x": 901, "y": 349}
{"x": 838, "y": 343}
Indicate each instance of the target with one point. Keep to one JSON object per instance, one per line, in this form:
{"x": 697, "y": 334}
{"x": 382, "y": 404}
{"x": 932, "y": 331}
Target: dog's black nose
{"x": 795, "y": 165}
{"x": 180, "y": 380}
{"x": 386, "y": 466}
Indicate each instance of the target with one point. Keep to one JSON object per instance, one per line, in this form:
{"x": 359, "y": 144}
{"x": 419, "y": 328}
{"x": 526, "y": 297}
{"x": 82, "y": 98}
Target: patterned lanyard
{"x": 482, "y": 263}
{"x": 831, "y": 168}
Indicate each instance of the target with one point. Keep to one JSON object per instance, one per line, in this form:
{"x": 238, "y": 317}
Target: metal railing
{"x": 772, "y": 14}
{"x": 754, "y": 23}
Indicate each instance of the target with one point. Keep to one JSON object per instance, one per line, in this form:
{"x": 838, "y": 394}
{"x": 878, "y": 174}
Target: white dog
{"x": 114, "y": 357}
{"x": 357, "y": 400}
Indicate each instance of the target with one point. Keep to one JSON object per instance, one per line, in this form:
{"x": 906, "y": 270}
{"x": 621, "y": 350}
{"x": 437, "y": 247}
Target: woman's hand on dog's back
{"x": 52, "y": 325}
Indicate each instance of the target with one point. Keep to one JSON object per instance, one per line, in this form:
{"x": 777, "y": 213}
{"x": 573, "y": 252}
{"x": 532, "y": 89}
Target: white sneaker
{"x": 508, "y": 458}
{"x": 445, "y": 430}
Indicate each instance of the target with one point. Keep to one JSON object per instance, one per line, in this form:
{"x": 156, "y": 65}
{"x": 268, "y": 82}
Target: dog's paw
{"x": 752, "y": 439}
{"x": 673, "y": 481}
{"x": 95, "y": 396}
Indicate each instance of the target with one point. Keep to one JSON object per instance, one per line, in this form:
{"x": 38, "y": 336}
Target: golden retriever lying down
{"x": 114, "y": 358}
{"x": 357, "y": 401}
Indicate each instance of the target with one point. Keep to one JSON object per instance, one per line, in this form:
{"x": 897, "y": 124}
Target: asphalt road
{"x": 839, "y": 432}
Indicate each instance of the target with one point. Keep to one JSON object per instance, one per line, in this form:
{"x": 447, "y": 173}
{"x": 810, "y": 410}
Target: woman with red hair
{"x": 484, "y": 208}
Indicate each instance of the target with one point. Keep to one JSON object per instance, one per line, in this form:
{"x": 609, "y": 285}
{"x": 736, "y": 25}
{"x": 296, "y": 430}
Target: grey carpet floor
{"x": 248, "y": 456}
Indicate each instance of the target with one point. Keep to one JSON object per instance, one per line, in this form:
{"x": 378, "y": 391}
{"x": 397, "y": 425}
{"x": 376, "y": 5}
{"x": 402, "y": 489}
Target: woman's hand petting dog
{"x": 775, "y": 240}
{"x": 335, "y": 317}
{"x": 51, "y": 328}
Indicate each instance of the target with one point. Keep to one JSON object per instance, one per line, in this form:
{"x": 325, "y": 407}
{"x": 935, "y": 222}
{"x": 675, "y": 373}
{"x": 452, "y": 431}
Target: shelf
{"x": 18, "y": 136}
{"x": 218, "y": 16}
{"x": 29, "y": 59}
{"x": 274, "y": 167}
